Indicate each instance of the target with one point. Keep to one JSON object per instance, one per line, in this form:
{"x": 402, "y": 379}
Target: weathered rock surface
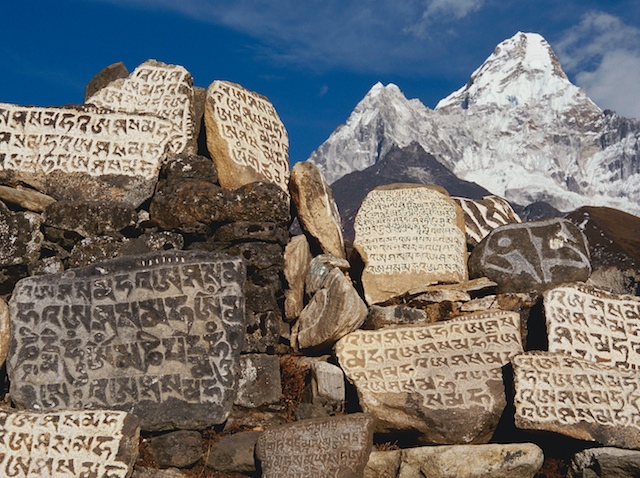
{"x": 259, "y": 380}
{"x": 25, "y": 198}
{"x": 319, "y": 269}
{"x": 316, "y": 208}
{"x": 336, "y": 447}
{"x": 442, "y": 381}
{"x": 20, "y": 237}
{"x": 158, "y": 335}
{"x": 605, "y": 462}
{"x": 593, "y": 324}
{"x": 334, "y": 311}
{"x": 104, "y": 77}
{"x": 409, "y": 235}
{"x": 89, "y": 218}
{"x": 5, "y": 333}
{"x": 532, "y": 256}
{"x": 297, "y": 258}
{"x": 327, "y": 385}
{"x": 380, "y": 317}
{"x": 176, "y": 449}
{"x": 142, "y": 472}
{"x": 578, "y": 398}
{"x": 481, "y": 216}
{"x": 245, "y": 137}
{"x": 68, "y": 444}
{"x": 250, "y": 231}
{"x": 234, "y": 453}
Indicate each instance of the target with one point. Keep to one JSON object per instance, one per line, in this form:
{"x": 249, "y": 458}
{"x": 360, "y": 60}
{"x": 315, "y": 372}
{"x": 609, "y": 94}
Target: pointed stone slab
{"x": 316, "y": 208}
{"x": 594, "y": 324}
{"x": 442, "y": 380}
{"x": 68, "y": 444}
{"x": 408, "y": 236}
{"x": 577, "y": 398}
{"x": 481, "y": 216}
{"x": 335, "y": 447}
{"x": 159, "y": 89}
{"x": 245, "y": 137}
{"x": 158, "y": 335}
{"x": 82, "y": 153}
{"x": 297, "y": 258}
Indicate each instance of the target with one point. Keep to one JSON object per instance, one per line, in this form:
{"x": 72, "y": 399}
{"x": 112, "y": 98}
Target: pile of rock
{"x": 160, "y": 319}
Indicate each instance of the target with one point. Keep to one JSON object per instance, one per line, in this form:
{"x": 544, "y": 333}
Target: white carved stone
{"x": 443, "y": 380}
{"x": 409, "y": 236}
{"x": 594, "y": 324}
{"x": 578, "y": 398}
{"x": 68, "y": 444}
{"x": 159, "y": 89}
{"x": 481, "y": 216}
{"x": 245, "y": 137}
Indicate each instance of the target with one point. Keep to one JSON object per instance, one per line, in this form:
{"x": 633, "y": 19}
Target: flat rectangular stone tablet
{"x": 97, "y": 444}
{"x": 158, "y": 335}
{"x": 82, "y": 153}
{"x": 594, "y": 324}
{"x": 413, "y": 378}
{"x": 578, "y": 398}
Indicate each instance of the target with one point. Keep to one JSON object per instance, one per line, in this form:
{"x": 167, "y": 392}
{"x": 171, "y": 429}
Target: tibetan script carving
{"x": 481, "y": 216}
{"x": 594, "y": 324}
{"x": 329, "y": 447}
{"x": 158, "y": 335}
{"x": 409, "y": 236}
{"x": 245, "y": 137}
{"x": 99, "y": 444}
{"x": 159, "y": 89}
{"x": 455, "y": 364}
{"x": 578, "y": 398}
{"x": 84, "y": 152}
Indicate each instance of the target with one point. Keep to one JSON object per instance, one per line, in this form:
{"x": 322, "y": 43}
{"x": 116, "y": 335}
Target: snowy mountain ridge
{"x": 519, "y": 128}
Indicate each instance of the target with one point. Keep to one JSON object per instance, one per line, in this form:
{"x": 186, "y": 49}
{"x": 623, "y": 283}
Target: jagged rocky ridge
{"x": 280, "y": 404}
{"x": 518, "y": 128}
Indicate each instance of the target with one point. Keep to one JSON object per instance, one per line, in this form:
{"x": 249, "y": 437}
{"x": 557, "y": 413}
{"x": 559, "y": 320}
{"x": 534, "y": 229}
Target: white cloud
{"x": 603, "y": 54}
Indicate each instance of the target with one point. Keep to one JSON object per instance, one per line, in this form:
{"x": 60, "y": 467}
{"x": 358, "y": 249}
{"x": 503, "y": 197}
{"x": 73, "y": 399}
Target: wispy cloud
{"x": 602, "y": 52}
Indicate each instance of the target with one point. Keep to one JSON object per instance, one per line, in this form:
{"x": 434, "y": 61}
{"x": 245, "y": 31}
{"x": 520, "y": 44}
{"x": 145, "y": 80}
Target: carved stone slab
{"x": 100, "y": 444}
{"x": 316, "y": 207}
{"x": 336, "y": 447}
{"x": 593, "y": 324}
{"x": 409, "y": 236}
{"x": 159, "y": 89}
{"x": 245, "y": 137}
{"x": 532, "y": 256}
{"x": 481, "y": 216}
{"x": 158, "y": 335}
{"x": 443, "y": 380}
{"x": 82, "y": 152}
{"x": 578, "y": 398}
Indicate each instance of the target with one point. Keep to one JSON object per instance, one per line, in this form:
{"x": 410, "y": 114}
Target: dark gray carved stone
{"x": 68, "y": 444}
{"x": 336, "y": 447}
{"x": 532, "y": 256}
{"x": 158, "y": 335}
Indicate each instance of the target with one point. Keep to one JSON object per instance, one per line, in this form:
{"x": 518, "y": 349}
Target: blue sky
{"x": 314, "y": 59}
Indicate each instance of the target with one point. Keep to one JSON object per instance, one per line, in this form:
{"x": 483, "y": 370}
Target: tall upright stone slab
{"x": 578, "y": 398}
{"x": 335, "y": 447}
{"x": 316, "y": 208}
{"x": 83, "y": 153}
{"x": 532, "y": 256}
{"x": 68, "y": 444}
{"x": 158, "y": 335}
{"x": 442, "y": 380}
{"x": 594, "y": 324}
{"x": 481, "y": 216}
{"x": 159, "y": 89}
{"x": 245, "y": 137}
{"x": 408, "y": 236}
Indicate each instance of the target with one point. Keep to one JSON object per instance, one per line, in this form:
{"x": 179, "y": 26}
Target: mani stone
{"x": 594, "y": 324}
{"x": 532, "y": 256}
{"x": 481, "y": 216}
{"x": 162, "y": 90}
{"x": 82, "y": 153}
{"x": 442, "y": 381}
{"x": 335, "y": 447}
{"x": 158, "y": 335}
{"x": 514, "y": 460}
{"x": 333, "y": 312}
{"x": 297, "y": 258}
{"x": 316, "y": 208}
{"x": 605, "y": 462}
{"x": 578, "y": 398}
{"x": 408, "y": 236}
{"x": 20, "y": 237}
{"x": 245, "y": 137}
{"x": 68, "y": 444}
